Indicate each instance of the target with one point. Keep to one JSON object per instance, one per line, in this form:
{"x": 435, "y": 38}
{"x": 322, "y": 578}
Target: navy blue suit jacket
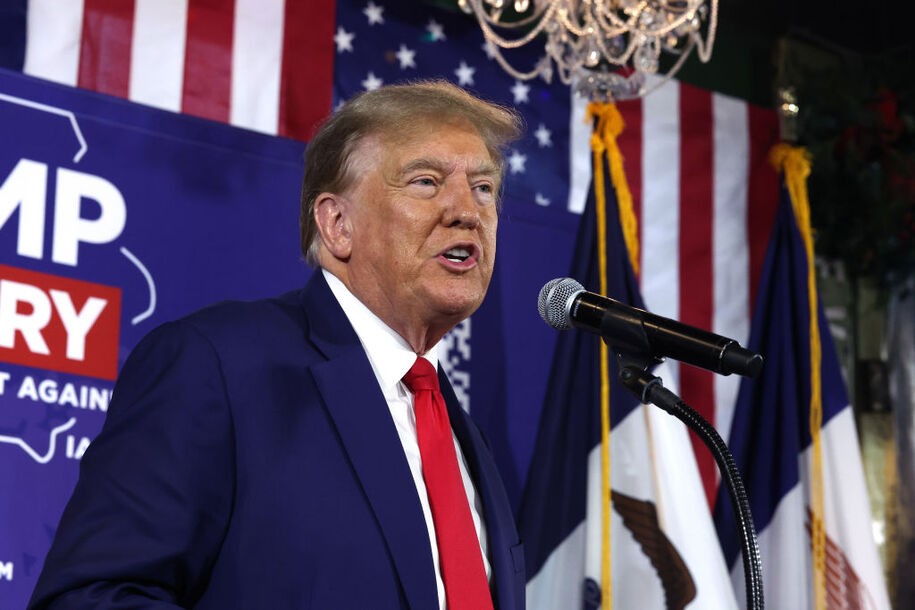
{"x": 249, "y": 460}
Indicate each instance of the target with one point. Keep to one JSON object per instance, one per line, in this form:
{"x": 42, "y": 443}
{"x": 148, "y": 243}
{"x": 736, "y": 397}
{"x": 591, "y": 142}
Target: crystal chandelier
{"x": 604, "y": 48}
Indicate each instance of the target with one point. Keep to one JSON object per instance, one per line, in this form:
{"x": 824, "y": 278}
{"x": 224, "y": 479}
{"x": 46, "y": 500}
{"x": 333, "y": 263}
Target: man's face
{"x": 423, "y": 218}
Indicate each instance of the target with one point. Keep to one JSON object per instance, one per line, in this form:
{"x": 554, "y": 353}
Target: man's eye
{"x": 424, "y": 181}
{"x": 485, "y": 189}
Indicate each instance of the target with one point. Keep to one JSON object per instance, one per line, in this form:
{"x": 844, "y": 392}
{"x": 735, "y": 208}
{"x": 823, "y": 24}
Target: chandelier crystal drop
{"x": 605, "y": 49}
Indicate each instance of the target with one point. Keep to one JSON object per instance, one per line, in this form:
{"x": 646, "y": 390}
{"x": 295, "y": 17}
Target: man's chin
{"x": 455, "y": 308}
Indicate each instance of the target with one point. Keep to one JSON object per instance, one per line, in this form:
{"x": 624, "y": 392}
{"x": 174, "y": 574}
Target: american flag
{"x": 384, "y": 44}
{"x": 260, "y": 64}
{"x": 695, "y": 160}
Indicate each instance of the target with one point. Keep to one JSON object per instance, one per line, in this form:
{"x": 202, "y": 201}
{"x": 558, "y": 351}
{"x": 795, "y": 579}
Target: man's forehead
{"x": 483, "y": 165}
{"x": 421, "y": 145}
{"x": 422, "y": 130}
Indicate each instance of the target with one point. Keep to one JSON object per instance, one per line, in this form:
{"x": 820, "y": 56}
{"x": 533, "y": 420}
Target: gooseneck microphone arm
{"x": 649, "y": 389}
{"x": 641, "y": 340}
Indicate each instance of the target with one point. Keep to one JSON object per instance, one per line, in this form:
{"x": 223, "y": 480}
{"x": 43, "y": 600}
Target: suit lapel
{"x": 356, "y": 405}
{"x": 500, "y": 525}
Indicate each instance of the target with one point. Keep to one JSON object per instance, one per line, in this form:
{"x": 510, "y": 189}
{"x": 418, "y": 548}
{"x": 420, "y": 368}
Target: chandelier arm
{"x": 490, "y": 35}
{"x": 631, "y": 23}
{"x": 672, "y": 72}
{"x": 677, "y": 22}
{"x": 615, "y": 27}
{"x": 482, "y": 14}
{"x": 625, "y": 24}
{"x": 593, "y": 18}
{"x": 500, "y": 59}
{"x": 619, "y": 60}
{"x": 566, "y": 74}
{"x": 570, "y": 25}
{"x": 705, "y": 50}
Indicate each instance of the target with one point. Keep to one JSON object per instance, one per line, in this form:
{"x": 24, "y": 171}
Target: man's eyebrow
{"x": 426, "y": 163}
{"x": 483, "y": 168}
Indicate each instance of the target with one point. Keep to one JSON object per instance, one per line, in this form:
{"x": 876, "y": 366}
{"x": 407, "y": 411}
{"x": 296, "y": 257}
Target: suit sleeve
{"x": 146, "y": 520}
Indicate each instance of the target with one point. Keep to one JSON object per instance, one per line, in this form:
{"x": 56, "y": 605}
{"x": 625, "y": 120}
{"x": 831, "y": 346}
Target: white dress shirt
{"x": 391, "y": 357}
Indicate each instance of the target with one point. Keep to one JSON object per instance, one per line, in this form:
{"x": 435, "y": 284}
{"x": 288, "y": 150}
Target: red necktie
{"x": 459, "y": 552}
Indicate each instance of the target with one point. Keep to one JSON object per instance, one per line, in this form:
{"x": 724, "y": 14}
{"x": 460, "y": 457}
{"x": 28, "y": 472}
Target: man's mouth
{"x": 457, "y": 255}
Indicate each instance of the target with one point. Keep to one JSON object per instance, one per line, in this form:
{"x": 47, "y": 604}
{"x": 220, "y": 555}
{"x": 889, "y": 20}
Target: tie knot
{"x": 421, "y": 376}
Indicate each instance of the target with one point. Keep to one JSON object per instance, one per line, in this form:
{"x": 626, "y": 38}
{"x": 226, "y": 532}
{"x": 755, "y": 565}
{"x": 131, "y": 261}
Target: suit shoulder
{"x": 261, "y": 317}
{"x": 233, "y": 327}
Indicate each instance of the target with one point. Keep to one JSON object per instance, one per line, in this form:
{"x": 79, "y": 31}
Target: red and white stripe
{"x": 706, "y": 198}
{"x": 265, "y": 65}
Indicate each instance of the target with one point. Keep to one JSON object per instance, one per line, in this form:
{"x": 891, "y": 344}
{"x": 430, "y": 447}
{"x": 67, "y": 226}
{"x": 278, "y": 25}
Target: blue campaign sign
{"x": 113, "y": 219}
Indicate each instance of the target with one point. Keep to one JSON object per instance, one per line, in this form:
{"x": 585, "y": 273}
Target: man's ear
{"x": 332, "y": 216}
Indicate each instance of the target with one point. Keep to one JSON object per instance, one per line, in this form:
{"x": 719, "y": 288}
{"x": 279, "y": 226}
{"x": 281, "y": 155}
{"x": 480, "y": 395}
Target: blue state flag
{"x": 773, "y": 447}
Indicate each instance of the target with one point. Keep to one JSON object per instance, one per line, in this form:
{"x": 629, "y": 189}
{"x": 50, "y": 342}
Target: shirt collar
{"x": 389, "y": 354}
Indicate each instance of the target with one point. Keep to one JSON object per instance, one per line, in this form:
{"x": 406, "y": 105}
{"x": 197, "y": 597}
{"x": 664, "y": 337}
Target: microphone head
{"x": 555, "y": 301}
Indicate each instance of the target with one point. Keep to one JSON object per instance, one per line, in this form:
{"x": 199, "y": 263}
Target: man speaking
{"x": 304, "y": 451}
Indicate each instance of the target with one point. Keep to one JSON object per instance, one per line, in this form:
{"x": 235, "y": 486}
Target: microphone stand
{"x": 648, "y": 388}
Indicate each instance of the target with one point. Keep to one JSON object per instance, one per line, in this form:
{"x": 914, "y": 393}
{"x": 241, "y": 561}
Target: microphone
{"x": 565, "y": 303}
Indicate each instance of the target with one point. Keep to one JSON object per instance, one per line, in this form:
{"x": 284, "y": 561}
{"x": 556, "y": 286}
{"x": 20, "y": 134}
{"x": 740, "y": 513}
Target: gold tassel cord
{"x": 794, "y": 162}
{"x": 606, "y": 572}
{"x": 609, "y": 124}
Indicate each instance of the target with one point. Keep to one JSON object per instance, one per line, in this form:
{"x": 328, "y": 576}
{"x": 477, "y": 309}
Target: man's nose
{"x": 463, "y": 210}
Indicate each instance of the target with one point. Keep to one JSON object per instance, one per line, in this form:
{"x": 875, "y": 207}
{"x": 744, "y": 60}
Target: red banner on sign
{"x": 58, "y": 323}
